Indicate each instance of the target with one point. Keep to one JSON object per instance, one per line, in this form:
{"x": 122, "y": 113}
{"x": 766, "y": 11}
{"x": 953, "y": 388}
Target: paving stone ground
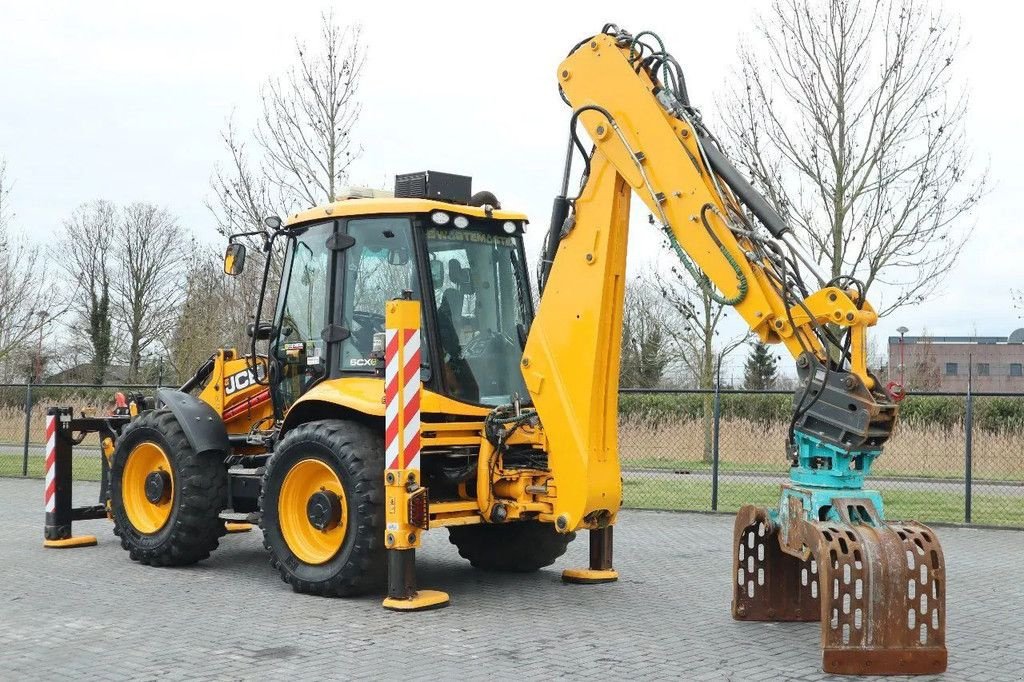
{"x": 92, "y": 613}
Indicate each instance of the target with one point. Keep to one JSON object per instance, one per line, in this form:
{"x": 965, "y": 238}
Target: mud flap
{"x": 878, "y": 588}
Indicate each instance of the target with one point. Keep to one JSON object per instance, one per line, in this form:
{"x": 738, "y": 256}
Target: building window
{"x": 983, "y": 369}
{"x": 951, "y": 369}
{"x": 1016, "y": 369}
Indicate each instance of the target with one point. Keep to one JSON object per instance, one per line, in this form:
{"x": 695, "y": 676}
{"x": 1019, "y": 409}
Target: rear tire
{"x": 517, "y": 547}
{"x": 183, "y": 527}
{"x": 348, "y": 558}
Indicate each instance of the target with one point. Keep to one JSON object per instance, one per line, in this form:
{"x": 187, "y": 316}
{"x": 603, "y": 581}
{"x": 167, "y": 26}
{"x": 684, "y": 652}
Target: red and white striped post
{"x": 50, "y": 485}
{"x": 407, "y": 507}
{"x": 57, "y": 484}
{"x": 402, "y": 399}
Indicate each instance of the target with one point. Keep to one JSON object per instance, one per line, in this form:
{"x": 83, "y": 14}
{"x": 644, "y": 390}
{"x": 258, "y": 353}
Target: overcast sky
{"x": 124, "y": 101}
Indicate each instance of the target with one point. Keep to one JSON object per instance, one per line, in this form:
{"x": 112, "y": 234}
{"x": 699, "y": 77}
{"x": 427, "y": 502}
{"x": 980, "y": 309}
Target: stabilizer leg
{"x": 402, "y": 592}
{"x": 407, "y": 504}
{"x": 600, "y": 570}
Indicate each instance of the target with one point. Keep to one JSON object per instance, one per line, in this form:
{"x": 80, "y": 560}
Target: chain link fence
{"x": 23, "y": 424}
{"x": 954, "y": 458}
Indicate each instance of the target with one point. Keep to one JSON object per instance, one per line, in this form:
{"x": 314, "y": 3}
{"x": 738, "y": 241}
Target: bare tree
{"x": 1018, "y": 299}
{"x": 699, "y": 341}
{"x": 300, "y": 151}
{"x": 646, "y": 351}
{"x": 922, "y": 374}
{"x": 148, "y": 288}
{"x": 848, "y": 116}
{"x": 26, "y": 296}
{"x": 303, "y": 144}
{"x": 85, "y": 253}
{"x": 308, "y": 116}
{"x": 209, "y": 316}
{"x": 241, "y": 191}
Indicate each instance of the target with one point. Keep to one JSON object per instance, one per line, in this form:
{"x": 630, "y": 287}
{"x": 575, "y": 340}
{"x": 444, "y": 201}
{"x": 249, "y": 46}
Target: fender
{"x": 203, "y": 427}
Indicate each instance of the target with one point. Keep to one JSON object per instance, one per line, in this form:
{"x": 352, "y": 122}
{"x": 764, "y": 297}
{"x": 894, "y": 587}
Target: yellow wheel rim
{"x": 306, "y": 485}
{"x": 146, "y": 515}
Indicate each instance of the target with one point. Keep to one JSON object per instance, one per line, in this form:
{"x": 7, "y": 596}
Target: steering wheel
{"x": 368, "y": 320}
{"x": 369, "y": 323}
{"x": 488, "y": 341}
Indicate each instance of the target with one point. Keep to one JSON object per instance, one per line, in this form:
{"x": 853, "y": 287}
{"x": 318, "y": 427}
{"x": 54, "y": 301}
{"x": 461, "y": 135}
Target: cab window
{"x": 378, "y": 268}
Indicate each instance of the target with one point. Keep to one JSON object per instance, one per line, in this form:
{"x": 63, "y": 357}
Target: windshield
{"x": 481, "y": 298}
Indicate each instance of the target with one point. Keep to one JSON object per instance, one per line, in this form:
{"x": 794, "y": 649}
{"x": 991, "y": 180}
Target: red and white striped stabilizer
{"x": 402, "y": 398}
{"x": 50, "y": 489}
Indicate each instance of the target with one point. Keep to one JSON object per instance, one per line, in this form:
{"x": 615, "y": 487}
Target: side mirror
{"x": 234, "y": 259}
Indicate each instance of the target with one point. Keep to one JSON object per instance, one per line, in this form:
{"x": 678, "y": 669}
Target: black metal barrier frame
{"x": 63, "y": 432}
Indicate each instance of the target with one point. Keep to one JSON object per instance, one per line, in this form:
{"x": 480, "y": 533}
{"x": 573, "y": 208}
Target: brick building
{"x": 943, "y": 363}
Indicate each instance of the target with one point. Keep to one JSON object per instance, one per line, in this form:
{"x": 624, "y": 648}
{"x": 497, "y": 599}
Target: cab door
{"x": 299, "y": 354}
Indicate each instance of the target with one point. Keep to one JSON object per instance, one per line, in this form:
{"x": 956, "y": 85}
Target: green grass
{"x": 84, "y": 468}
{"x": 919, "y": 505}
{"x": 781, "y": 468}
{"x": 700, "y": 465}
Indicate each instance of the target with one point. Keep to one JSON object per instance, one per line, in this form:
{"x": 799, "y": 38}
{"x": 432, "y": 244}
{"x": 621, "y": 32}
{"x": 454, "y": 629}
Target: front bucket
{"x": 877, "y": 588}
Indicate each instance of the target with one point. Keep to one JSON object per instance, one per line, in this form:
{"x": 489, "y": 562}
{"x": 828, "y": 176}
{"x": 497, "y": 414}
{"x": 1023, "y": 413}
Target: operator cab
{"x": 458, "y": 254}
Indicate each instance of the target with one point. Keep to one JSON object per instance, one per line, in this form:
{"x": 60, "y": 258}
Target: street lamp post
{"x": 902, "y": 331}
{"x": 37, "y": 372}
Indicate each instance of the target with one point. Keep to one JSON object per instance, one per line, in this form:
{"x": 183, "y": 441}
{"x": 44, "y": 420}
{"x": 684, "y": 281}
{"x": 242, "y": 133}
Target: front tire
{"x": 323, "y": 508}
{"x": 164, "y": 498}
{"x": 517, "y": 547}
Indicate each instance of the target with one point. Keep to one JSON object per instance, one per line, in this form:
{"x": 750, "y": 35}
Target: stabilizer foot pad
{"x": 67, "y": 543}
{"x": 237, "y": 527}
{"x": 589, "y": 576}
{"x": 887, "y": 661}
{"x": 423, "y": 600}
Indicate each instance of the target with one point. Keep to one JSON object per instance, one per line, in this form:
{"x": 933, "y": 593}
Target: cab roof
{"x": 385, "y": 205}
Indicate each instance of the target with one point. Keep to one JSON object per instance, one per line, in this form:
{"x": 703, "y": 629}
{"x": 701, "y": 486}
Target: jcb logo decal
{"x": 244, "y": 379}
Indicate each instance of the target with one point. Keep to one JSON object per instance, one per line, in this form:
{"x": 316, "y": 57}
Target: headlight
{"x": 461, "y": 222}
{"x": 440, "y": 218}
{"x": 509, "y": 227}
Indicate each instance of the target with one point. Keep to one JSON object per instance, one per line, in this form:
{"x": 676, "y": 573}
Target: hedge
{"x": 656, "y": 410}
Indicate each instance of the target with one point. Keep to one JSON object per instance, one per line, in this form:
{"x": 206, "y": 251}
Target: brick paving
{"x": 92, "y": 613}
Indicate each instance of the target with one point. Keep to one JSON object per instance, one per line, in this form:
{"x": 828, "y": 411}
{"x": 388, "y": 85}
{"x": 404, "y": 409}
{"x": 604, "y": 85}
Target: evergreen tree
{"x": 761, "y": 370}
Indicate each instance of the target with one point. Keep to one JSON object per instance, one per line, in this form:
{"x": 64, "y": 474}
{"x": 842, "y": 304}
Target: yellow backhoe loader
{"x": 409, "y": 385}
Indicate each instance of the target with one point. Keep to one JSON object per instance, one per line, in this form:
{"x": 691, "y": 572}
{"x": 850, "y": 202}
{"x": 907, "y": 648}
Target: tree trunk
{"x": 707, "y": 400}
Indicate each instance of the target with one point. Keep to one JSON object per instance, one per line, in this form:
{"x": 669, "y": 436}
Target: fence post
{"x": 28, "y": 425}
{"x": 968, "y": 445}
{"x": 714, "y": 438}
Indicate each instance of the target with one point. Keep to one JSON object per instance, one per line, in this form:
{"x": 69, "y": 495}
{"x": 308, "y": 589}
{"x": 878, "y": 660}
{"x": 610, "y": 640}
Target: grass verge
{"x": 919, "y": 505}
{"x": 640, "y": 493}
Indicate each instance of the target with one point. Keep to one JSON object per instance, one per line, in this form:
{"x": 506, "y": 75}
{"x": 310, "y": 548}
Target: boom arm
{"x": 647, "y": 140}
{"x": 787, "y": 561}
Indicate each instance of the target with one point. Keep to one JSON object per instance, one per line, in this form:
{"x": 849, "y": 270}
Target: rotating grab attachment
{"x": 877, "y": 588}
